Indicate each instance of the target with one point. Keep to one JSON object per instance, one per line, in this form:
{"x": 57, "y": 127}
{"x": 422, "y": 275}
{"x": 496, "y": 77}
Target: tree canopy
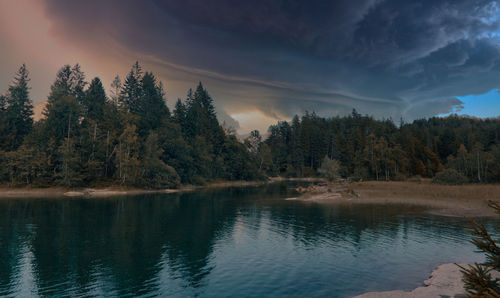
{"x": 372, "y": 149}
{"x": 131, "y": 138}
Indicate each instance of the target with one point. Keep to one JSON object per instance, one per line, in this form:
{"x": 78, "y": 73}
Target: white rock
{"x": 445, "y": 280}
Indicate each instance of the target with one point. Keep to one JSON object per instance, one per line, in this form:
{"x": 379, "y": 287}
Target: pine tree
{"x": 189, "y": 127}
{"x": 94, "y": 100}
{"x": 131, "y": 92}
{"x": 63, "y": 112}
{"x": 78, "y": 83}
{"x": 200, "y": 115}
{"x": 201, "y": 96}
{"x": 151, "y": 107}
{"x": 179, "y": 115}
{"x": 3, "y": 103}
{"x": 477, "y": 279}
{"x": 5, "y": 135}
{"x": 61, "y": 87}
{"x": 19, "y": 110}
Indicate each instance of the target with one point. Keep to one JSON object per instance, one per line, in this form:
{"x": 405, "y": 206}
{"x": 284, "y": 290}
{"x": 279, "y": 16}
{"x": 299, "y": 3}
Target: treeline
{"x": 370, "y": 149}
{"x": 129, "y": 138}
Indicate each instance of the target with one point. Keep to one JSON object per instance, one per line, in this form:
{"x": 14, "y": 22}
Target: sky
{"x": 267, "y": 60}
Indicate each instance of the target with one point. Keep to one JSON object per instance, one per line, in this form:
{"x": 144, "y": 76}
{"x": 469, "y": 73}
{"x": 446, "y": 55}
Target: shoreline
{"x": 459, "y": 201}
{"x": 444, "y": 281}
{"x": 469, "y": 200}
{"x": 111, "y": 191}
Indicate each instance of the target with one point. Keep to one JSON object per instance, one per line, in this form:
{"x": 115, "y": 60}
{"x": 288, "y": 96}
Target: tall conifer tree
{"x": 132, "y": 90}
{"x": 19, "y": 107}
{"x": 94, "y": 100}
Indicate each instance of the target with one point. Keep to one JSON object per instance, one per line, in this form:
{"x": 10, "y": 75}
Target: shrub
{"x": 329, "y": 168}
{"x": 450, "y": 177}
{"x": 477, "y": 279}
{"x": 160, "y": 176}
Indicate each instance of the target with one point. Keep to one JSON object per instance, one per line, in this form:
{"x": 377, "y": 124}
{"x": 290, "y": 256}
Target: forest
{"x": 371, "y": 149}
{"x": 131, "y": 138}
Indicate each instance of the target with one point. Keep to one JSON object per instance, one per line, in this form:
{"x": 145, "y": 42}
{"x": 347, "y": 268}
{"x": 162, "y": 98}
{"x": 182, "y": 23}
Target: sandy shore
{"x": 464, "y": 200}
{"x": 56, "y": 192}
{"x": 59, "y": 192}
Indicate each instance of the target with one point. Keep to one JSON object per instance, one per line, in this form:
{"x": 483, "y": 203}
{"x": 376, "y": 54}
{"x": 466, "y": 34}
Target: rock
{"x": 445, "y": 281}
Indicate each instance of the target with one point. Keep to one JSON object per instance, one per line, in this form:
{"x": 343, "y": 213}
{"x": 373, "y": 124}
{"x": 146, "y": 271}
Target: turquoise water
{"x": 228, "y": 242}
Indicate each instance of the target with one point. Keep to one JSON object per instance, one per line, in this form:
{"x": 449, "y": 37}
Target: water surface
{"x": 229, "y": 242}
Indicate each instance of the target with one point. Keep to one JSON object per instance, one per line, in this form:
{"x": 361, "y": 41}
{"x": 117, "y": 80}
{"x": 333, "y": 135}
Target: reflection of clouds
{"x": 26, "y": 286}
{"x": 238, "y": 230}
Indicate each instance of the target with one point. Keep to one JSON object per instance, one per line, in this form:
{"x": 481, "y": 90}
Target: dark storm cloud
{"x": 385, "y": 58}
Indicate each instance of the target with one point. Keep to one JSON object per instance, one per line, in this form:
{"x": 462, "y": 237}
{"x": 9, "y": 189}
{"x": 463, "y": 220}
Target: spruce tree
{"x": 5, "y": 136}
{"x": 94, "y": 100}
{"x": 477, "y": 279}
{"x": 19, "y": 110}
{"x": 201, "y": 95}
{"x": 179, "y": 113}
{"x": 131, "y": 92}
{"x": 61, "y": 86}
{"x": 3, "y": 103}
{"x": 151, "y": 107}
{"x": 201, "y": 116}
{"x": 63, "y": 111}
{"x": 94, "y": 133}
{"x": 78, "y": 83}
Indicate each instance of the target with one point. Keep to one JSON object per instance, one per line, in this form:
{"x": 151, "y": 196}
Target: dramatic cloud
{"x": 277, "y": 58}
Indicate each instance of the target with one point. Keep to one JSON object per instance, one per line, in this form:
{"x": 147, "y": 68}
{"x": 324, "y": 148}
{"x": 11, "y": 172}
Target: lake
{"x": 227, "y": 242}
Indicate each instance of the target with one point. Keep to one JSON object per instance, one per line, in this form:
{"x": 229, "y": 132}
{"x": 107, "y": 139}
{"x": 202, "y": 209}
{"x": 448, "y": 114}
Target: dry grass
{"x": 429, "y": 191}
{"x": 461, "y": 200}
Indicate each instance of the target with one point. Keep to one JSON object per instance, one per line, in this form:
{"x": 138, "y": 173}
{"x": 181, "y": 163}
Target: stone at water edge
{"x": 445, "y": 280}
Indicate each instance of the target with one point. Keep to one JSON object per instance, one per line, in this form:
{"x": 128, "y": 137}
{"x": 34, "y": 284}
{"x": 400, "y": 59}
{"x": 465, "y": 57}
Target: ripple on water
{"x": 220, "y": 243}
